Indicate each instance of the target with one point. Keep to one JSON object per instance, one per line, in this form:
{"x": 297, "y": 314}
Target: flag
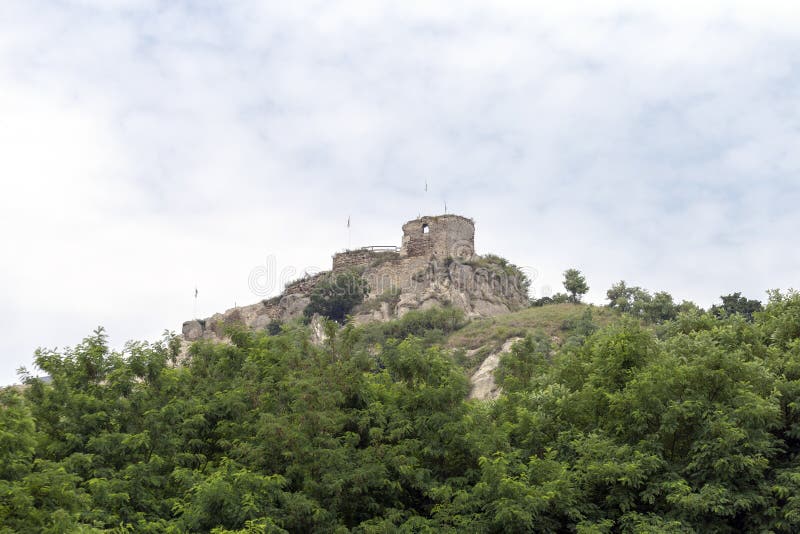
{"x": 195, "y": 292}
{"x": 426, "y": 186}
{"x": 348, "y": 221}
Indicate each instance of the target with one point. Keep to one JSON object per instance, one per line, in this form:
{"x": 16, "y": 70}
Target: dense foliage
{"x": 656, "y": 308}
{"x": 431, "y": 326}
{"x": 336, "y": 296}
{"x": 575, "y": 284}
{"x": 693, "y": 429}
{"x": 734, "y": 304}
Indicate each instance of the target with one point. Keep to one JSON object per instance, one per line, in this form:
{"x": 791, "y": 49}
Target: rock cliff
{"x": 435, "y": 266}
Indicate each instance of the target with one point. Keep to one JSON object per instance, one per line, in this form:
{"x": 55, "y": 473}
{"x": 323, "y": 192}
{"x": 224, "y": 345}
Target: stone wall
{"x": 305, "y": 284}
{"x": 351, "y": 259}
{"x": 442, "y": 236}
{"x": 362, "y": 258}
{"x": 402, "y": 274}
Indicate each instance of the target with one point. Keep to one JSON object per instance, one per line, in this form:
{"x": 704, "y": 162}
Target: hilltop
{"x": 436, "y": 265}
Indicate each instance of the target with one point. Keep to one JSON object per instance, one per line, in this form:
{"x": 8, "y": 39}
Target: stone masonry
{"x": 442, "y": 236}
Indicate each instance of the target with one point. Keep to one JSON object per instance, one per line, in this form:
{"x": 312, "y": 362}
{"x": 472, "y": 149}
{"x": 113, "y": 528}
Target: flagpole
{"x": 426, "y": 193}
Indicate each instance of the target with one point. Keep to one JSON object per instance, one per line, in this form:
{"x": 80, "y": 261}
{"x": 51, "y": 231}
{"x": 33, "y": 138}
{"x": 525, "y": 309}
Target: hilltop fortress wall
{"x": 436, "y": 264}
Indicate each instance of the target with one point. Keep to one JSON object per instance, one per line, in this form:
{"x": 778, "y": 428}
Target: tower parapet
{"x": 440, "y": 236}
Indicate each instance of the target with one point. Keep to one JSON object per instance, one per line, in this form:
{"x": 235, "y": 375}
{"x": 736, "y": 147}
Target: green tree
{"x": 639, "y": 302}
{"x": 734, "y": 304}
{"x": 661, "y": 308}
{"x": 629, "y": 299}
{"x": 575, "y": 284}
{"x": 336, "y": 297}
{"x": 693, "y": 426}
{"x": 560, "y": 298}
{"x": 620, "y": 296}
{"x": 519, "y": 366}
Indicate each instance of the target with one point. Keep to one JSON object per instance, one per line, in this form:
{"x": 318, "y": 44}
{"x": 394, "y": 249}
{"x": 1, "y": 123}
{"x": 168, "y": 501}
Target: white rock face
{"x": 483, "y": 384}
{"x": 478, "y": 291}
{"x": 318, "y": 335}
{"x": 421, "y": 282}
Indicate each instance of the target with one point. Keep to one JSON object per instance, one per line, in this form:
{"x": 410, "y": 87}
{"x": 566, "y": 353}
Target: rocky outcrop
{"x": 436, "y": 266}
{"x": 256, "y": 316}
{"x": 481, "y": 290}
{"x": 484, "y": 386}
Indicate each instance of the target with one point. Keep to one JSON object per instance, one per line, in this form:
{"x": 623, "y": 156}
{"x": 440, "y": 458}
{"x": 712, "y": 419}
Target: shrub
{"x": 430, "y": 325}
{"x": 336, "y": 296}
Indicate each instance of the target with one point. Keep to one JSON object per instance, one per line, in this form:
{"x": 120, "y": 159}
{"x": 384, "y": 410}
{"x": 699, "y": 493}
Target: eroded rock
{"x": 483, "y": 383}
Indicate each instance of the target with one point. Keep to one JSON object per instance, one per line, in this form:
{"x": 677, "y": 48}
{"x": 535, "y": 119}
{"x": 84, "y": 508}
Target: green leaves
{"x": 230, "y": 497}
{"x": 696, "y": 429}
{"x": 575, "y": 284}
{"x": 335, "y": 297}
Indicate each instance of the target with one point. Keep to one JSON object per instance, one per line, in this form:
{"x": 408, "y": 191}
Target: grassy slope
{"x": 490, "y": 333}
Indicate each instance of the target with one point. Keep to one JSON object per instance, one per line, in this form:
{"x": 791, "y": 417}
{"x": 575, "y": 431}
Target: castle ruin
{"x": 441, "y": 237}
{"x": 436, "y": 264}
{"x": 438, "y": 237}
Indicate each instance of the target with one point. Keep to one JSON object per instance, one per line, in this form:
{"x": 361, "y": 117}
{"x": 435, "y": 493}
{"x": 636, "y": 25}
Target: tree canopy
{"x": 575, "y": 284}
{"x": 736, "y": 304}
{"x": 693, "y": 426}
{"x": 336, "y": 296}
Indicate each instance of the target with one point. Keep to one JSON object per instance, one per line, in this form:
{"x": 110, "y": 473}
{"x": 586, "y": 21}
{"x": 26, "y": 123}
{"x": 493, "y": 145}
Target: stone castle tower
{"x": 442, "y": 236}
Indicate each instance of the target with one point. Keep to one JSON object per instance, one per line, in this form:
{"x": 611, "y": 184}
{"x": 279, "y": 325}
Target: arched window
{"x": 425, "y": 229}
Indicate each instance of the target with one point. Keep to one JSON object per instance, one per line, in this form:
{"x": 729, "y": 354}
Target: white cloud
{"x": 149, "y": 147}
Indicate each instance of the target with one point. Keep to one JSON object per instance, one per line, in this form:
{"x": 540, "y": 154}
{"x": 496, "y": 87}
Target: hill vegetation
{"x": 611, "y": 420}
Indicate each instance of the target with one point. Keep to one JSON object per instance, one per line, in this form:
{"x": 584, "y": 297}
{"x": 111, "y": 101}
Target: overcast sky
{"x": 149, "y": 147}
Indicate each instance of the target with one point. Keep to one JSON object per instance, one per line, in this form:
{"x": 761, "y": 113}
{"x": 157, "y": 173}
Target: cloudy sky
{"x": 151, "y": 147}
